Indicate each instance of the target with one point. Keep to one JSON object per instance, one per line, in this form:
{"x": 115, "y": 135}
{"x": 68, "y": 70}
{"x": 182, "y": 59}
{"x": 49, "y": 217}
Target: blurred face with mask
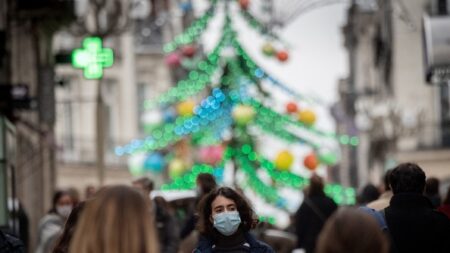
{"x": 225, "y": 216}
{"x": 64, "y": 205}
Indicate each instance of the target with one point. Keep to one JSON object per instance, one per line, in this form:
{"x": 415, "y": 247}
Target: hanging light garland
{"x": 193, "y": 32}
{"x": 187, "y": 181}
{"x": 197, "y": 79}
{"x": 211, "y": 109}
{"x": 341, "y": 195}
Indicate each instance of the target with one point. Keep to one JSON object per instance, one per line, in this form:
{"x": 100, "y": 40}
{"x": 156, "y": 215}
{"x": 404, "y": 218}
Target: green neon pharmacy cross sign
{"x": 92, "y": 58}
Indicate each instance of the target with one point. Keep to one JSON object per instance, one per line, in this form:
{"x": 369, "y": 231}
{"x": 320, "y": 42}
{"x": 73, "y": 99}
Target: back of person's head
{"x": 407, "y": 178}
{"x": 69, "y": 228}
{"x": 144, "y": 184}
{"x": 315, "y": 185}
{"x": 246, "y": 213}
{"x": 206, "y": 182}
{"x": 368, "y": 194}
{"x": 117, "y": 220}
{"x": 432, "y": 186}
{"x": 351, "y": 231}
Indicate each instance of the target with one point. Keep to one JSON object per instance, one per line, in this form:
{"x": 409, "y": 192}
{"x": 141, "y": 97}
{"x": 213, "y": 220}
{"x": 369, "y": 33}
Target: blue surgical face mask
{"x": 227, "y": 222}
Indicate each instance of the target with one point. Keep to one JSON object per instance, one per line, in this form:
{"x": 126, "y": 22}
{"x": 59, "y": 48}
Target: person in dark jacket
{"x": 168, "y": 231}
{"x": 432, "y": 191}
{"x": 312, "y": 214}
{"x": 205, "y": 184}
{"x": 10, "y": 244}
{"x": 412, "y": 223}
{"x": 445, "y": 207}
{"x": 225, "y": 219}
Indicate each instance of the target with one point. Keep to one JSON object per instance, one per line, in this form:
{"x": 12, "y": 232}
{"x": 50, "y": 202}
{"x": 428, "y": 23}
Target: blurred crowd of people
{"x": 406, "y": 214}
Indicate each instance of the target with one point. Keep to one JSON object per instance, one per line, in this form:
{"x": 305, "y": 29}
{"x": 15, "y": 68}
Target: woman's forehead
{"x": 222, "y": 201}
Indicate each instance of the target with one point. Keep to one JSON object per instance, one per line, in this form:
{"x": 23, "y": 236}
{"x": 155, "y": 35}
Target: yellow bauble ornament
{"x": 176, "y": 168}
{"x": 307, "y": 117}
{"x": 186, "y": 108}
{"x": 284, "y": 160}
{"x": 243, "y": 114}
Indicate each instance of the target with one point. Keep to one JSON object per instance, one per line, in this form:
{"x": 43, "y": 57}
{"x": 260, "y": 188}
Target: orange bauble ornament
{"x": 311, "y": 162}
{"x": 291, "y": 107}
{"x": 282, "y": 56}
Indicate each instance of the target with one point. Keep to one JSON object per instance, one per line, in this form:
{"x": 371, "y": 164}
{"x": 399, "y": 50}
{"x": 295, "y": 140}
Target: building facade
{"x": 398, "y": 116}
{"x": 27, "y": 143}
{"x": 139, "y": 73}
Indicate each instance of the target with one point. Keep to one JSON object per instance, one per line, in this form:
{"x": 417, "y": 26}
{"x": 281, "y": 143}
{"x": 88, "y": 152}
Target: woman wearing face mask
{"x": 224, "y": 223}
{"x": 51, "y": 225}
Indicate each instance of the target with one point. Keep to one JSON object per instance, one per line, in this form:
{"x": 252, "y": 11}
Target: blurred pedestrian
{"x": 205, "y": 183}
{"x": 18, "y": 221}
{"x": 63, "y": 243}
{"x": 432, "y": 191}
{"x": 412, "y": 223}
{"x": 75, "y": 195}
{"x": 384, "y": 199}
{"x": 368, "y": 194}
{"x": 10, "y": 244}
{"x": 168, "y": 230}
{"x": 51, "y": 225}
{"x": 351, "y": 231}
{"x": 89, "y": 192}
{"x": 445, "y": 207}
{"x": 225, "y": 219}
{"x": 117, "y": 220}
{"x": 312, "y": 214}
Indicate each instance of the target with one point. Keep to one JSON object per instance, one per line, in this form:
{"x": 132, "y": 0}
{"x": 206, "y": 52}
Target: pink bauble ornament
{"x": 173, "y": 60}
{"x": 211, "y": 155}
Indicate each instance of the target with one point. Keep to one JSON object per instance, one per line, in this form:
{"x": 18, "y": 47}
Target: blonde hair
{"x": 117, "y": 220}
{"x": 351, "y": 231}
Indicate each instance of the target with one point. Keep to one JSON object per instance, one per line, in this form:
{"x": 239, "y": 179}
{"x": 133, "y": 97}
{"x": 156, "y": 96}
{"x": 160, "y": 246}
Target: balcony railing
{"x": 82, "y": 151}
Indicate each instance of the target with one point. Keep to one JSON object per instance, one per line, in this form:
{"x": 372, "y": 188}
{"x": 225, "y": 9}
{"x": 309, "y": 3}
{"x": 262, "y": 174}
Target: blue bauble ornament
{"x": 154, "y": 162}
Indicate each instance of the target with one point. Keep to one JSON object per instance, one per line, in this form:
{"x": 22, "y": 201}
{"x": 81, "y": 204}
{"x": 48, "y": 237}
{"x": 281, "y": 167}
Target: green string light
{"x": 253, "y": 22}
{"x": 187, "y": 181}
{"x": 192, "y": 33}
{"x": 197, "y": 79}
{"x": 341, "y": 195}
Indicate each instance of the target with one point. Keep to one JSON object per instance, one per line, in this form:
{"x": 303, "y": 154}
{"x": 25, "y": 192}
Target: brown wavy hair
{"x": 248, "y": 217}
{"x": 117, "y": 220}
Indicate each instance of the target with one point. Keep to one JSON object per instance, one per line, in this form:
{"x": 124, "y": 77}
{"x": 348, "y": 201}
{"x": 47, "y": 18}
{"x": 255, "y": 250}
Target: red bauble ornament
{"x": 291, "y": 107}
{"x": 188, "y": 50}
{"x": 244, "y": 4}
{"x": 311, "y": 162}
{"x": 282, "y": 56}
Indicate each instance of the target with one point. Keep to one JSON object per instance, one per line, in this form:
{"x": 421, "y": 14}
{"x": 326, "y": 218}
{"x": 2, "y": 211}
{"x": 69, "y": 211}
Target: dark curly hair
{"x": 205, "y": 226}
{"x": 407, "y": 178}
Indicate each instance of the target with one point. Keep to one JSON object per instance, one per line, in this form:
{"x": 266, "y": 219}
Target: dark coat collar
{"x": 410, "y": 200}
{"x": 205, "y": 244}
